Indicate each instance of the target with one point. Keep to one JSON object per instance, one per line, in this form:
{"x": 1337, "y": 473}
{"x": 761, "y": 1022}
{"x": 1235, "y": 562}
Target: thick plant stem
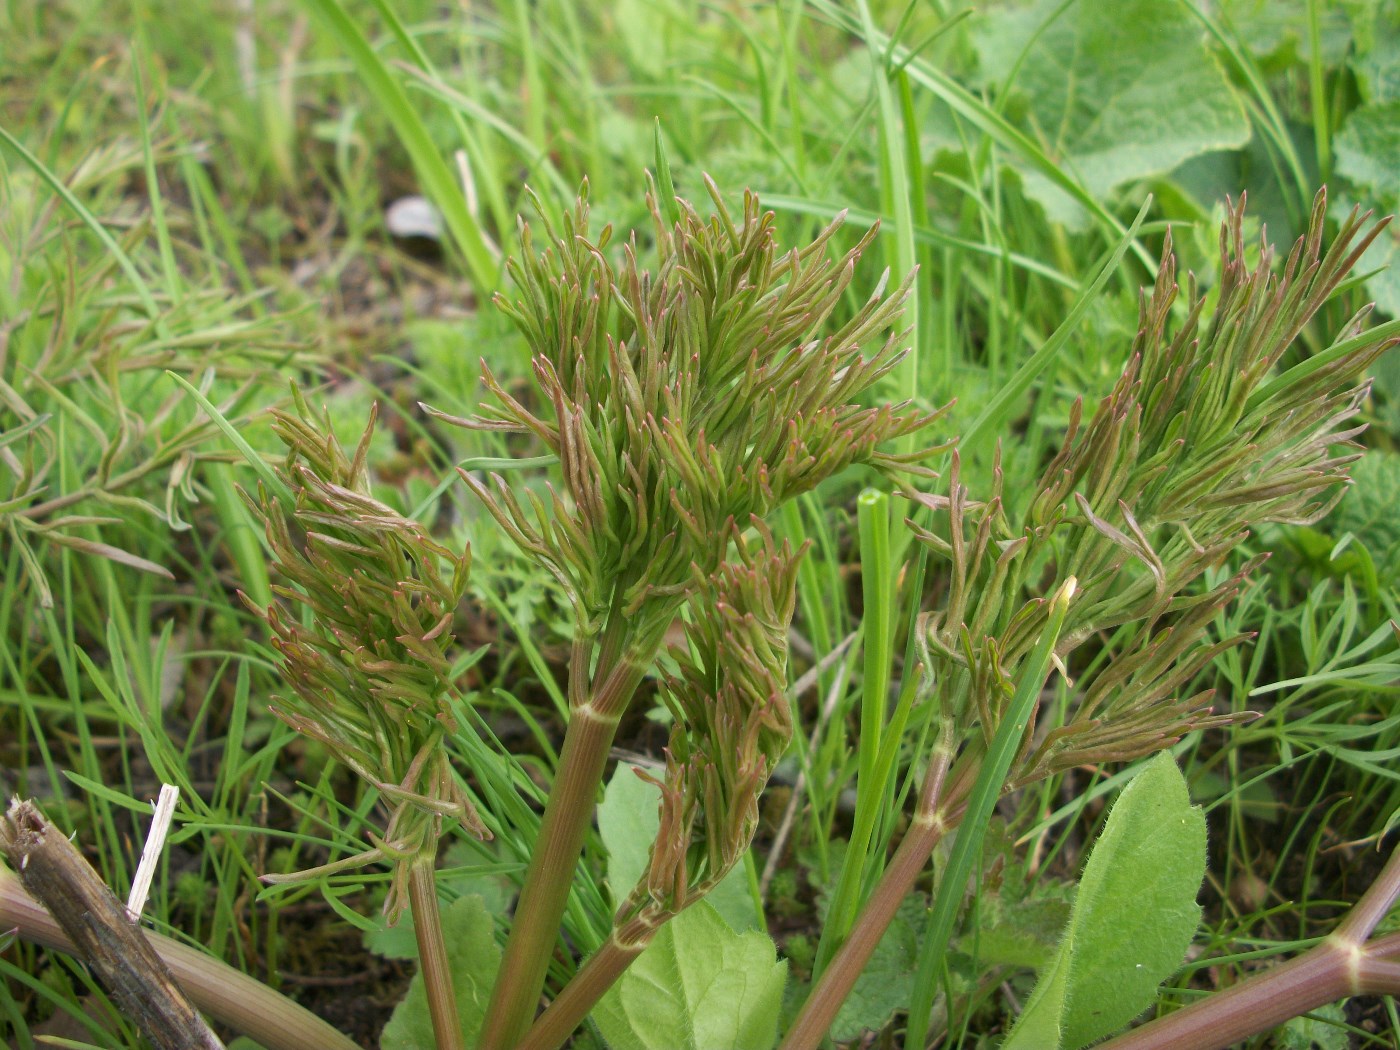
{"x": 225, "y": 994}
{"x": 582, "y": 993}
{"x": 567, "y": 817}
{"x": 545, "y": 894}
{"x": 1267, "y": 1001}
{"x": 837, "y": 980}
{"x": 949, "y": 793}
{"x": 1343, "y": 965}
{"x": 940, "y": 809}
{"x": 432, "y": 953}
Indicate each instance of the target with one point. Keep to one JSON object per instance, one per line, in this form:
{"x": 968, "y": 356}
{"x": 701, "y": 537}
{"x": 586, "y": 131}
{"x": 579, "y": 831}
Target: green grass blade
{"x": 985, "y": 792}
{"x": 877, "y": 576}
{"x": 438, "y": 180}
{"x": 242, "y": 534}
{"x": 1000, "y": 407}
{"x": 896, "y": 191}
{"x": 926, "y": 235}
{"x": 471, "y": 144}
{"x": 138, "y": 282}
{"x": 974, "y": 110}
{"x": 265, "y": 473}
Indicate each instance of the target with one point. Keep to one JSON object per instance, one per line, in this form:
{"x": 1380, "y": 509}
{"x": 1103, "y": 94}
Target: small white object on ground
{"x": 414, "y": 217}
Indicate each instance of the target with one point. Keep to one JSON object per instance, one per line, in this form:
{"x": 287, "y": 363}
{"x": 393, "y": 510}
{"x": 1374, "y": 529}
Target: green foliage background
{"x": 200, "y": 187}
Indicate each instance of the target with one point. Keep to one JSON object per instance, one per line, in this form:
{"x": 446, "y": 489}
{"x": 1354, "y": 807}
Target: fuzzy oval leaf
{"x": 1132, "y": 919}
{"x": 699, "y": 986}
{"x": 1040, "y": 1026}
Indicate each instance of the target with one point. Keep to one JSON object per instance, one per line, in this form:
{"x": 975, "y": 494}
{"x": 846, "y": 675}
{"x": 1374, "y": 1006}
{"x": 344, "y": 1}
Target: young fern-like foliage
{"x": 686, "y": 397}
{"x": 679, "y": 400}
{"x": 369, "y": 669}
{"x": 732, "y": 725}
{"x": 1200, "y": 440}
{"x": 1194, "y": 445}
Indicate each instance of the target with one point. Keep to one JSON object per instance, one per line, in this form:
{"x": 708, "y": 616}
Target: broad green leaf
{"x": 1367, "y": 152}
{"x": 1276, "y": 31}
{"x": 628, "y": 821}
{"x": 1368, "y": 149}
{"x": 1113, "y": 92}
{"x": 1041, "y": 1024}
{"x": 1132, "y": 919}
{"x": 699, "y": 986}
{"x": 473, "y": 954}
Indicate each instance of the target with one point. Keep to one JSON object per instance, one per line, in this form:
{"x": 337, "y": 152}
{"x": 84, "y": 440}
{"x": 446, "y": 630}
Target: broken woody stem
{"x": 1345, "y": 964}
{"x": 105, "y": 935}
{"x": 225, "y": 994}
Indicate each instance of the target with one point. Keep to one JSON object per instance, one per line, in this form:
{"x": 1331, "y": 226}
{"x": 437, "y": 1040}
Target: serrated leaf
{"x": 698, "y": 986}
{"x": 1323, "y": 1029}
{"x": 1113, "y": 92}
{"x": 474, "y": 957}
{"x": 1021, "y": 933}
{"x": 1132, "y": 919}
{"x": 628, "y": 821}
{"x": 1368, "y": 510}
